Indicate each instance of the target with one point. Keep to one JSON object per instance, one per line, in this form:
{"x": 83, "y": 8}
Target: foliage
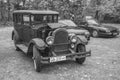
{"x": 68, "y": 9}
{"x": 105, "y": 7}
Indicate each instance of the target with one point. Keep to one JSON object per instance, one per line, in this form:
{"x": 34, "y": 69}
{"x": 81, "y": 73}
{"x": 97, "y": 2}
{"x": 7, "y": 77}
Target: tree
{"x": 66, "y": 8}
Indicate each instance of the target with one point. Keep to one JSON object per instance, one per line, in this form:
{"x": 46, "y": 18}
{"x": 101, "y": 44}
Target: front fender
{"x": 39, "y": 43}
{"x": 82, "y": 40}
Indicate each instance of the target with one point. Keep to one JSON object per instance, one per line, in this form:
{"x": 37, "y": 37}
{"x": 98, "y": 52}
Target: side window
{"x": 17, "y": 18}
{"x": 45, "y": 18}
{"x": 55, "y": 18}
{"x": 26, "y": 19}
{"x": 38, "y": 18}
{"x": 32, "y": 18}
{"x": 49, "y": 18}
{"x": 20, "y": 18}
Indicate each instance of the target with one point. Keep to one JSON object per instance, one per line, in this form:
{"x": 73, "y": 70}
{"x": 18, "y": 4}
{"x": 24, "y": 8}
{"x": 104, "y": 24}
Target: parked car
{"x": 97, "y": 29}
{"x": 39, "y": 35}
{"x": 73, "y": 28}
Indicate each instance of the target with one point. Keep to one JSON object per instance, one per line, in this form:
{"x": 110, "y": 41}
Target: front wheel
{"x": 81, "y": 48}
{"x": 95, "y": 33}
{"x": 37, "y": 59}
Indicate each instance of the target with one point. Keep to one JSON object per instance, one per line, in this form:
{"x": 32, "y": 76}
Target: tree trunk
{"x": 9, "y": 16}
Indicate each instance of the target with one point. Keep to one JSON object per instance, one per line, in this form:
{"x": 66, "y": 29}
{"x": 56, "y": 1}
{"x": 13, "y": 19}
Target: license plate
{"x": 55, "y": 59}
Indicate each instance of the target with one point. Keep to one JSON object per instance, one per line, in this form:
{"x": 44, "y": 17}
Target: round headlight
{"x": 49, "y": 40}
{"x": 73, "y": 38}
{"x": 72, "y": 45}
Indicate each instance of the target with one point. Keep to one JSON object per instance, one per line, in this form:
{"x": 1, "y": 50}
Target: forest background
{"x": 103, "y": 10}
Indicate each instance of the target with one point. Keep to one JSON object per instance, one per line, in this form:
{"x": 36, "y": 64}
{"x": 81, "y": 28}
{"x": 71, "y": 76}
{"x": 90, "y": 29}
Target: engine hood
{"x": 78, "y": 31}
{"x": 55, "y": 25}
{"x": 70, "y": 30}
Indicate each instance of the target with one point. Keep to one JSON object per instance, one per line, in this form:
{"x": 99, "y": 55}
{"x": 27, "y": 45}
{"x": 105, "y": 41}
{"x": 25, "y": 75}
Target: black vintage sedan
{"x": 96, "y": 29}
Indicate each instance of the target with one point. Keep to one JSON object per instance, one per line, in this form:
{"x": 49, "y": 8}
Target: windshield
{"x": 68, "y": 23}
{"x": 38, "y": 18}
{"x": 90, "y": 21}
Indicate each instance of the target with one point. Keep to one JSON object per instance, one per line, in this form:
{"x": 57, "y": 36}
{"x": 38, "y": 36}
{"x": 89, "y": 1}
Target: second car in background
{"x": 96, "y": 29}
{"x": 73, "y": 28}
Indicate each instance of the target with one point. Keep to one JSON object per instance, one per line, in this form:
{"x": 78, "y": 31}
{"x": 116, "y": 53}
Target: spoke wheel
{"x": 37, "y": 59}
{"x": 81, "y": 48}
{"x": 95, "y": 33}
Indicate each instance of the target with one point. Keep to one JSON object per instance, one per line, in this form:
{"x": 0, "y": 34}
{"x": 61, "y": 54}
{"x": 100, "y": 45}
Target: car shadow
{"x": 110, "y": 37}
{"x": 51, "y": 68}
{"x": 60, "y": 67}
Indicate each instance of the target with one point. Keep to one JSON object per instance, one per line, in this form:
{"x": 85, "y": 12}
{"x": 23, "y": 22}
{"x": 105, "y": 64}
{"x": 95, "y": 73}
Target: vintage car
{"x": 99, "y": 30}
{"x": 73, "y": 28}
{"x": 39, "y": 35}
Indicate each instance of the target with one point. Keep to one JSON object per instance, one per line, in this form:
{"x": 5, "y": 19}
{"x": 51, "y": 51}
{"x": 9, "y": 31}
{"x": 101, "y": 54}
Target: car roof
{"x": 36, "y": 11}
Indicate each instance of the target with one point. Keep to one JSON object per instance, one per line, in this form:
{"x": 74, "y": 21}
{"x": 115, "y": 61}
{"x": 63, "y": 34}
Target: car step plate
{"x": 56, "y": 59}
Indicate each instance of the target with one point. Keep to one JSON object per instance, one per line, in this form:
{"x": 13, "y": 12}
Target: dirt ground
{"x": 104, "y": 64}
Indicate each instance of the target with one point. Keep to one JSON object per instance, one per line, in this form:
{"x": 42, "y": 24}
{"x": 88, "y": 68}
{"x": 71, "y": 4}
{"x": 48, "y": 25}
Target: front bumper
{"x": 70, "y": 56}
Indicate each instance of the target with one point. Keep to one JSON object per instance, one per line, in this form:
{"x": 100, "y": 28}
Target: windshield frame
{"x": 40, "y": 18}
{"x": 92, "y": 22}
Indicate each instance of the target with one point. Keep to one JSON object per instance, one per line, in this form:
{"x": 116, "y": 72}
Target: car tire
{"x": 15, "y": 42}
{"x": 94, "y": 33}
{"x": 81, "y": 48}
{"x": 37, "y": 59}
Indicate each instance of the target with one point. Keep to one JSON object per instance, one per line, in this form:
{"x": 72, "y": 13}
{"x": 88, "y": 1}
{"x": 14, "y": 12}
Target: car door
{"x": 18, "y": 25}
{"x": 26, "y": 28}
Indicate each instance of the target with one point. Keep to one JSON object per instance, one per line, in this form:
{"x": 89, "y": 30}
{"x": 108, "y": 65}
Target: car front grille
{"x": 61, "y": 42}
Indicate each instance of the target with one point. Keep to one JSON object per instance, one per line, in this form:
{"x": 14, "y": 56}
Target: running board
{"x": 22, "y": 47}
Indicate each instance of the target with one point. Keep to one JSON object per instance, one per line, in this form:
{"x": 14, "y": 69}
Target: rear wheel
{"x": 81, "y": 48}
{"x": 15, "y": 42}
{"x": 37, "y": 59}
{"x": 95, "y": 33}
